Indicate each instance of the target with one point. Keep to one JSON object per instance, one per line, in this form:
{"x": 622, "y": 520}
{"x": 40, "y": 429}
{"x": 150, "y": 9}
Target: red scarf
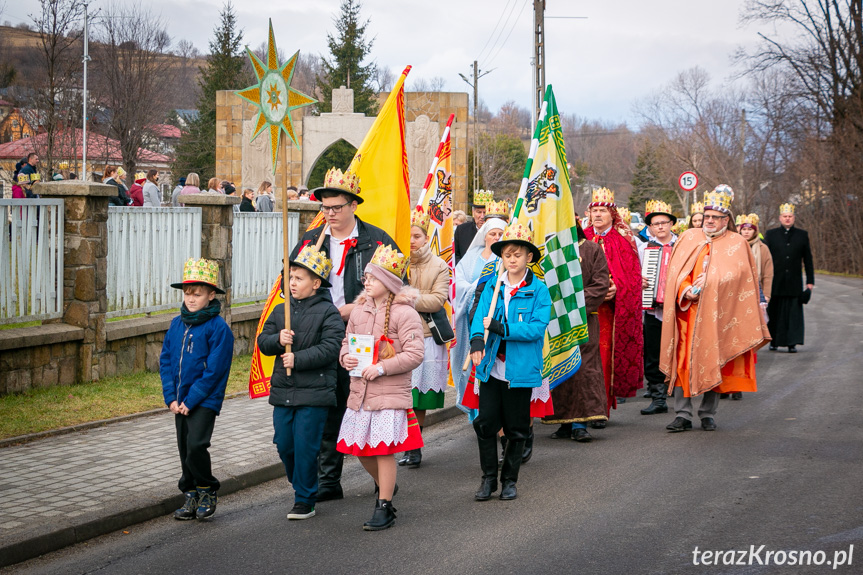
{"x": 348, "y": 244}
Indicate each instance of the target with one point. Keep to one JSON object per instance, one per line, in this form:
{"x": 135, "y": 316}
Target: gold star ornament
{"x": 273, "y": 96}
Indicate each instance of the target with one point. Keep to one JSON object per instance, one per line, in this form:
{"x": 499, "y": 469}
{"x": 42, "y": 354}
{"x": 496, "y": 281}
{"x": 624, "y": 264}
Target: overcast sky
{"x": 599, "y": 66}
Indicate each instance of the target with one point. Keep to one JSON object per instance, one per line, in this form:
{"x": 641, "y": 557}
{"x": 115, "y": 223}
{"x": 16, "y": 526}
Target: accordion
{"x": 655, "y": 268}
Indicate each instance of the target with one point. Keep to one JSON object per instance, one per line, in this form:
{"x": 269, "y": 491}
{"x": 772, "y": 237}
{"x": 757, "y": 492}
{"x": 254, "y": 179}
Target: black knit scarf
{"x": 202, "y": 315}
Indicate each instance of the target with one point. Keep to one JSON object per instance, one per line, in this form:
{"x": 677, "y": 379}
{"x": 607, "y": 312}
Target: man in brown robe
{"x": 709, "y": 342}
{"x": 581, "y": 398}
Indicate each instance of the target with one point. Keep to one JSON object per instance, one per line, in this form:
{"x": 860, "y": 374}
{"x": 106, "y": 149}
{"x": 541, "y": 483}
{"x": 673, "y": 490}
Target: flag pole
{"x": 286, "y": 271}
{"x": 516, "y": 210}
{"x": 436, "y": 160}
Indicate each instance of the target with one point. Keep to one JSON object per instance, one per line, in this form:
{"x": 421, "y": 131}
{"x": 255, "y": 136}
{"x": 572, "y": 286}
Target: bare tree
{"x": 133, "y": 71}
{"x": 55, "y": 78}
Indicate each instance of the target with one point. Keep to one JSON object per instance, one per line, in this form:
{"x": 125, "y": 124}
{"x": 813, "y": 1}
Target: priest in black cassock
{"x": 789, "y": 247}
{"x": 465, "y": 233}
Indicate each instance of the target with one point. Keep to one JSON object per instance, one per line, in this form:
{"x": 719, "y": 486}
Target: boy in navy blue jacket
{"x": 301, "y": 401}
{"x": 194, "y": 366}
{"x": 516, "y": 328}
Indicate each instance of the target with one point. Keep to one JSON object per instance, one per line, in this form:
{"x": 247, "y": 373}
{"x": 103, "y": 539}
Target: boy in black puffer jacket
{"x": 302, "y": 399}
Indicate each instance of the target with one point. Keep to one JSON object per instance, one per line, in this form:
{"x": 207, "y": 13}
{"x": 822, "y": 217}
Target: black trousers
{"x": 330, "y": 461}
{"x": 655, "y": 378}
{"x": 193, "y": 440}
{"x": 501, "y": 406}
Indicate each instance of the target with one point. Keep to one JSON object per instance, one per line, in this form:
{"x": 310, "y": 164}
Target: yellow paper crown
{"x": 140, "y": 176}
{"x": 786, "y": 209}
{"x": 517, "y": 232}
{"x": 391, "y": 260}
{"x": 679, "y": 227}
{"x": 656, "y": 206}
{"x": 719, "y": 199}
{"x": 625, "y": 215}
{"x": 483, "y": 197}
{"x": 201, "y": 270}
{"x": 499, "y": 209}
{"x": 420, "y": 220}
{"x": 345, "y": 181}
{"x": 120, "y": 172}
{"x": 24, "y": 179}
{"x": 316, "y": 261}
{"x": 751, "y": 219}
{"x": 696, "y": 208}
{"x": 602, "y": 197}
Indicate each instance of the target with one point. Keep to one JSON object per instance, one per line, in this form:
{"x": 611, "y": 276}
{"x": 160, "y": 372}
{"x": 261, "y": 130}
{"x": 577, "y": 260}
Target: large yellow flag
{"x": 381, "y": 162}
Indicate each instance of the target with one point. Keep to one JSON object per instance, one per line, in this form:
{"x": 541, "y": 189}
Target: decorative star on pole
{"x": 273, "y": 96}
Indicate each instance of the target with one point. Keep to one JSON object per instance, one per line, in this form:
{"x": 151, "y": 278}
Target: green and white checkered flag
{"x": 545, "y": 205}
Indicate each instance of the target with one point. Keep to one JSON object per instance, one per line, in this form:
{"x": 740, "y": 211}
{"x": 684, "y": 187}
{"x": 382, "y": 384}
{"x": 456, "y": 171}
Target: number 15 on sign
{"x": 688, "y": 181}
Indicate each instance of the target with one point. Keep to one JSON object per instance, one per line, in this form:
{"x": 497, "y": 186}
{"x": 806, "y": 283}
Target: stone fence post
{"x": 217, "y": 223}
{"x": 85, "y": 264}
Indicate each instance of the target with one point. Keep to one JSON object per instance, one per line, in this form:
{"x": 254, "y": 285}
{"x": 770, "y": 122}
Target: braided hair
{"x": 386, "y": 348}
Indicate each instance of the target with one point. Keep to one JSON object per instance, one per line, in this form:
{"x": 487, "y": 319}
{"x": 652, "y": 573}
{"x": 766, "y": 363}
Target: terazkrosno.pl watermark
{"x": 761, "y": 556}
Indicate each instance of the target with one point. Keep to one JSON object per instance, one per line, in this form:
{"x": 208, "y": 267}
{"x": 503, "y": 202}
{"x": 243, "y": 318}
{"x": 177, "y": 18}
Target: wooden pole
{"x": 286, "y": 273}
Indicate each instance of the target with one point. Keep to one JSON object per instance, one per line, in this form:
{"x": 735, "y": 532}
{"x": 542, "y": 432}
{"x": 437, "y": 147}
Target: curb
{"x": 19, "y": 439}
{"x": 89, "y": 528}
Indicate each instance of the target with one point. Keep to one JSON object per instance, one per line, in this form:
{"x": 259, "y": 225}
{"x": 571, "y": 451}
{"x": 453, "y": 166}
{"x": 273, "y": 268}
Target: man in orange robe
{"x": 708, "y": 345}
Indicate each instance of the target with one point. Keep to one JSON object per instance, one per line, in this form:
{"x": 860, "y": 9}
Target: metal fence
{"x": 257, "y": 253}
{"x": 31, "y": 260}
{"x": 147, "y": 248}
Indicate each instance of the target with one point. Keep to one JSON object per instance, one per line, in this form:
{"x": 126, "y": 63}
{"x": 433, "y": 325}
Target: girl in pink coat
{"x": 379, "y": 420}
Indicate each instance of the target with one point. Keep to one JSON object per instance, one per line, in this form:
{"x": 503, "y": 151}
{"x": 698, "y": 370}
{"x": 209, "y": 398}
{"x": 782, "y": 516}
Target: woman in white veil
{"x": 467, "y": 274}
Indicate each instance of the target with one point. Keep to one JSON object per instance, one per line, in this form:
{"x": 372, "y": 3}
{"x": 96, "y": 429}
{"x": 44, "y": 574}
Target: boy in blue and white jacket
{"x": 515, "y": 329}
{"x": 194, "y": 367}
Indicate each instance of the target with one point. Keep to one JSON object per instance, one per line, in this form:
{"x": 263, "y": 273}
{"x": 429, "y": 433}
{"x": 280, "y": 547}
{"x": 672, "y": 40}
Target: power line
{"x": 509, "y": 34}
{"x": 494, "y": 29}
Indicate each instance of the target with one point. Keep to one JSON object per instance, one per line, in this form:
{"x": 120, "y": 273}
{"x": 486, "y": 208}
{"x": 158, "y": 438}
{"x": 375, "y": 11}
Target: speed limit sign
{"x": 688, "y": 181}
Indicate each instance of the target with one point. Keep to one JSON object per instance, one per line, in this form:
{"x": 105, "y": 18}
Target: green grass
{"x": 24, "y": 324}
{"x": 840, "y": 274}
{"x": 61, "y": 406}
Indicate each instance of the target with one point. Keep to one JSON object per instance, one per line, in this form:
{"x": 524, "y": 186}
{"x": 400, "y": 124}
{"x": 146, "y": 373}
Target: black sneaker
{"x": 187, "y": 511}
{"x": 301, "y": 511}
{"x": 207, "y": 499}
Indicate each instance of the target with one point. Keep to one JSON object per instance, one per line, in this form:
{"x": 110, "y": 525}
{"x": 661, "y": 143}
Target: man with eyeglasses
{"x": 659, "y": 220}
{"x": 350, "y": 243}
{"x": 465, "y": 233}
{"x": 713, "y": 323}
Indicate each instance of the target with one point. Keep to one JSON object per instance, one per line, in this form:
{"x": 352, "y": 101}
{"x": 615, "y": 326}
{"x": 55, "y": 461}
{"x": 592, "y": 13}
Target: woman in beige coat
{"x": 379, "y": 421}
{"x": 430, "y": 275}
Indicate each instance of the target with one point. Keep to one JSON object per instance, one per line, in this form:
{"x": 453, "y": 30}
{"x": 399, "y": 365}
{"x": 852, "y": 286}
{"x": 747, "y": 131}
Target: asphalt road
{"x": 784, "y": 470}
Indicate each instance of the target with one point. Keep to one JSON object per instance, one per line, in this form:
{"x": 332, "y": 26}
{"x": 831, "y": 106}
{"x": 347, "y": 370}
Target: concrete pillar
{"x": 85, "y": 264}
{"x": 217, "y": 223}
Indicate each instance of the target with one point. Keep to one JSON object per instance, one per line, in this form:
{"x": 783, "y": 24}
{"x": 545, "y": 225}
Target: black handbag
{"x": 439, "y": 325}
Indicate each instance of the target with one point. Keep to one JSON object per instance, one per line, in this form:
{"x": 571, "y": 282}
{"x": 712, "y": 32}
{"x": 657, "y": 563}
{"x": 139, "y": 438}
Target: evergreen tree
{"x": 339, "y": 155}
{"x": 348, "y": 49}
{"x": 647, "y": 182}
{"x": 225, "y": 70}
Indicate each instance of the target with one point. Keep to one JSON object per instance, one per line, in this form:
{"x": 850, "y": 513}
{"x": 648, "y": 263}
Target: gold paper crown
{"x": 391, "y": 260}
{"x": 625, "y": 215}
{"x": 751, "y": 219}
{"x": 517, "y": 232}
{"x": 316, "y": 261}
{"x": 420, "y": 220}
{"x": 679, "y": 227}
{"x": 483, "y": 197}
{"x": 719, "y": 199}
{"x": 120, "y": 172}
{"x": 656, "y": 206}
{"x": 602, "y": 197}
{"x": 201, "y": 270}
{"x": 140, "y": 176}
{"x": 786, "y": 209}
{"x": 696, "y": 208}
{"x": 346, "y": 181}
{"x": 32, "y": 178}
{"x": 499, "y": 209}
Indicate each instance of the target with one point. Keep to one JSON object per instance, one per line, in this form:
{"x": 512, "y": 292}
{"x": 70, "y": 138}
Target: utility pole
{"x": 85, "y": 174}
{"x": 475, "y": 85}
{"x": 538, "y": 56}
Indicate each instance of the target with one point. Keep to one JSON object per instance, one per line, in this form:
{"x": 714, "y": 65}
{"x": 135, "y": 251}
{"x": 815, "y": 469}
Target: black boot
{"x": 511, "y": 465}
{"x": 528, "y": 447}
{"x": 383, "y": 518}
{"x": 503, "y": 441}
{"x": 563, "y": 432}
{"x": 412, "y": 458}
{"x": 488, "y": 463}
{"x": 656, "y": 406}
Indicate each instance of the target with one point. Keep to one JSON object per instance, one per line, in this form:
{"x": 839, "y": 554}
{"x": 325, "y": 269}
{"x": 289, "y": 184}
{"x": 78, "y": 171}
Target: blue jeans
{"x": 298, "y": 432}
